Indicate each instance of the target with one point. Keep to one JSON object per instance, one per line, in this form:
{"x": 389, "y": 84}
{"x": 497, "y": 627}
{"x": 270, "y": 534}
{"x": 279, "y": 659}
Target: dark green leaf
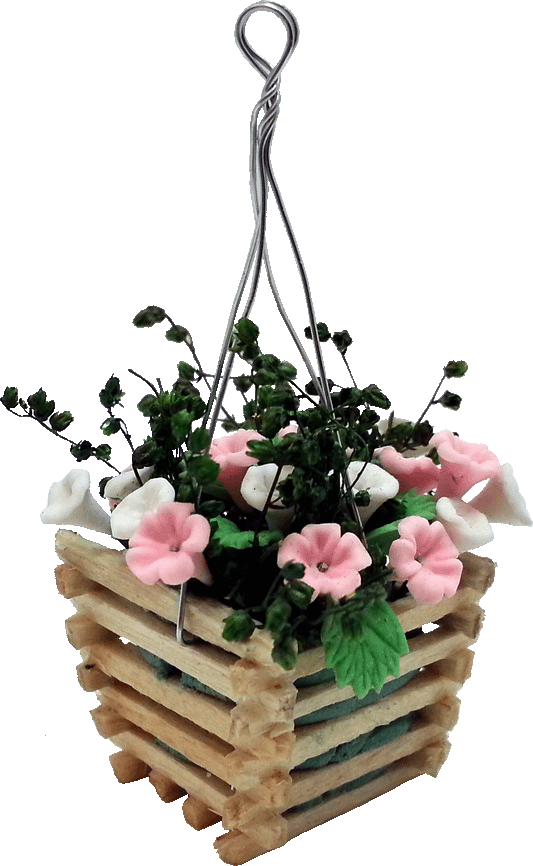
{"x": 342, "y": 341}
{"x": 246, "y": 331}
{"x": 111, "y": 394}
{"x": 110, "y": 426}
{"x": 323, "y": 332}
{"x": 455, "y": 369}
{"x": 82, "y": 450}
{"x": 180, "y": 424}
{"x": 293, "y": 571}
{"x": 203, "y": 469}
{"x": 102, "y": 452}
{"x": 299, "y": 594}
{"x": 149, "y": 316}
{"x": 285, "y": 653}
{"x": 59, "y": 421}
{"x": 148, "y": 405}
{"x": 277, "y": 616}
{"x": 374, "y": 396}
{"x": 177, "y": 334}
{"x": 450, "y": 401}
{"x": 199, "y": 440}
{"x": 187, "y": 371}
{"x": 40, "y": 406}
{"x": 10, "y": 398}
{"x": 239, "y": 626}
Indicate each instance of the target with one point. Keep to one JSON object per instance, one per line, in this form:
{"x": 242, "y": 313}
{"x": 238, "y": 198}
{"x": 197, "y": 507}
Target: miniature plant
{"x": 305, "y": 518}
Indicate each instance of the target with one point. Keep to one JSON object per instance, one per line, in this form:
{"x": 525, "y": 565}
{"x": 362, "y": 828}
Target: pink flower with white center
{"x": 332, "y": 562}
{"x": 412, "y": 473}
{"x": 462, "y": 463}
{"x": 426, "y": 558}
{"x": 168, "y": 546}
{"x": 230, "y": 454}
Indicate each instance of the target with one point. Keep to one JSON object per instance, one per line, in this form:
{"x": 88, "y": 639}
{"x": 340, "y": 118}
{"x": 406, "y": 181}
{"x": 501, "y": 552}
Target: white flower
{"x": 129, "y": 513}
{"x": 122, "y": 485}
{"x": 70, "y": 503}
{"x": 467, "y": 527}
{"x": 501, "y": 500}
{"x": 255, "y": 490}
{"x": 379, "y": 484}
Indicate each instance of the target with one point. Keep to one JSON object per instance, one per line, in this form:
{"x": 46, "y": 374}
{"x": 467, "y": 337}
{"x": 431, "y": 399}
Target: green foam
{"x": 371, "y": 740}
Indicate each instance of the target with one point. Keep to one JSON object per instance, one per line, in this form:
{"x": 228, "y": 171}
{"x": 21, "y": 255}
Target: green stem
{"x": 431, "y": 402}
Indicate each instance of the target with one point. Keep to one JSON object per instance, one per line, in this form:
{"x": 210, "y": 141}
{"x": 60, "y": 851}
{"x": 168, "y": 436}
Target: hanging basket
{"x": 269, "y": 753}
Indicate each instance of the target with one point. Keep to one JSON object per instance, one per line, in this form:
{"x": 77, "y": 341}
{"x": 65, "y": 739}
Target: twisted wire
{"x": 261, "y": 180}
{"x": 261, "y": 177}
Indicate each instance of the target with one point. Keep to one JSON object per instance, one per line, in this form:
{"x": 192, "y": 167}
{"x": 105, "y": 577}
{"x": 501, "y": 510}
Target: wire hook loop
{"x": 259, "y": 63}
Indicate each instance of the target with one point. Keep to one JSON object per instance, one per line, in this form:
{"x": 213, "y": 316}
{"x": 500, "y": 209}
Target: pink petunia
{"x": 412, "y": 473}
{"x": 426, "y": 558}
{"x": 230, "y": 454}
{"x": 463, "y": 464}
{"x": 332, "y": 562}
{"x": 168, "y": 545}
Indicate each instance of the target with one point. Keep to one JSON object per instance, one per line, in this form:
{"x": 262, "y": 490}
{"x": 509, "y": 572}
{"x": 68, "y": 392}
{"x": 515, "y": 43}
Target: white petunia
{"x": 129, "y": 513}
{"x": 122, "y": 485}
{"x": 70, "y": 503}
{"x": 501, "y": 500}
{"x": 467, "y": 527}
{"x": 255, "y": 490}
{"x": 380, "y": 485}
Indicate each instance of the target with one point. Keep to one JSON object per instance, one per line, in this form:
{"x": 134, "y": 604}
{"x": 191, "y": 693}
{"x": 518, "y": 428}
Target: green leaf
{"x": 111, "y": 394}
{"x": 199, "y": 440}
{"x": 180, "y": 424}
{"x": 450, "y": 400}
{"x": 177, "y": 334}
{"x": 246, "y": 331}
{"x": 10, "y": 398}
{"x": 110, "y": 426}
{"x": 82, "y": 450}
{"x": 342, "y": 341}
{"x": 277, "y": 616}
{"x": 413, "y": 505}
{"x": 285, "y": 653}
{"x": 102, "y": 452}
{"x": 455, "y": 369}
{"x": 323, "y": 332}
{"x": 299, "y": 594}
{"x": 364, "y": 648}
{"x": 374, "y": 396}
{"x": 59, "y": 421}
{"x": 149, "y": 316}
{"x": 40, "y": 406}
{"x": 239, "y": 626}
{"x": 203, "y": 469}
{"x": 227, "y": 534}
{"x": 380, "y": 539}
{"x": 187, "y": 371}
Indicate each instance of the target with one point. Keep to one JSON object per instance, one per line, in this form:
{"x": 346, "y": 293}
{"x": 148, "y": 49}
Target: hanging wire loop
{"x": 262, "y": 180}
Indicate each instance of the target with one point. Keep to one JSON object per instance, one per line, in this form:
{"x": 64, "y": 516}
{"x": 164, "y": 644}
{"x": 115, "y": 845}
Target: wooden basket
{"x": 238, "y": 759}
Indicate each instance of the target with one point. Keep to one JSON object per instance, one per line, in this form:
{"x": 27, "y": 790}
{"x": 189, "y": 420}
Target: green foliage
{"x": 342, "y": 341}
{"x": 323, "y": 332}
{"x": 59, "y": 421}
{"x": 111, "y": 394}
{"x": 226, "y": 534}
{"x": 110, "y": 426}
{"x": 450, "y": 400}
{"x": 178, "y": 334}
{"x": 10, "y": 398}
{"x": 364, "y": 647}
{"x": 455, "y": 369}
{"x": 239, "y": 626}
{"x": 149, "y": 316}
{"x": 40, "y": 406}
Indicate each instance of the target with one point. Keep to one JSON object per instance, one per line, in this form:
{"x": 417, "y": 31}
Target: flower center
{"x": 322, "y": 566}
{"x": 174, "y": 549}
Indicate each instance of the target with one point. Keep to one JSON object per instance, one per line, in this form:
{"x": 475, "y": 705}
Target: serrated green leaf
{"x": 364, "y": 647}
{"x": 227, "y": 534}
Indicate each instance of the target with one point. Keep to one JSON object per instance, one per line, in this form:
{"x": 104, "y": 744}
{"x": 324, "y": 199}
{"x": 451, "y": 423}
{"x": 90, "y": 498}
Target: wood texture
{"x": 235, "y": 759}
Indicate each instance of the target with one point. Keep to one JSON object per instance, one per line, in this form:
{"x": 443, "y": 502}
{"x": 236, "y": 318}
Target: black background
{"x": 398, "y": 156}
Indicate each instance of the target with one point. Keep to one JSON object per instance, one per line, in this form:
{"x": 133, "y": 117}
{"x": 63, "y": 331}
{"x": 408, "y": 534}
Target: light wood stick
{"x": 457, "y": 667}
{"x": 236, "y": 849}
{"x": 83, "y": 630}
{"x": 108, "y": 722}
{"x": 90, "y": 677}
{"x": 128, "y": 768}
{"x": 197, "y": 815}
{"x": 70, "y": 581}
{"x": 166, "y": 789}
{"x": 444, "y": 713}
{"x": 468, "y": 620}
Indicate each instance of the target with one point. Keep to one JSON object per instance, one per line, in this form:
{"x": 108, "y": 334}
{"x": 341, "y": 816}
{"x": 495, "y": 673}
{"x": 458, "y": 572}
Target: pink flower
{"x": 230, "y": 454}
{"x": 463, "y": 464}
{"x": 168, "y": 545}
{"x": 412, "y": 473}
{"x": 286, "y": 431}
{"x": 426, "y": 558}
{"x": 332, "y": 562}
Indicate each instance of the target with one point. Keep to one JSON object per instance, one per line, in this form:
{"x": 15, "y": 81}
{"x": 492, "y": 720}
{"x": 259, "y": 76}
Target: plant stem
{"x": 146, "y": 381}
{"x": 431, "y": 402}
